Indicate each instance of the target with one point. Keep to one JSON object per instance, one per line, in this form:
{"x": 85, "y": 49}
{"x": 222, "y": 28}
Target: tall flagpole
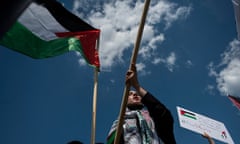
{"x": 94, "y": 106}
{"x": 133, "y": 60}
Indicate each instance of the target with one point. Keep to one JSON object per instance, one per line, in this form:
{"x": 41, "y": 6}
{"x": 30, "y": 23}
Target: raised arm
{"x": 161, "y": 115}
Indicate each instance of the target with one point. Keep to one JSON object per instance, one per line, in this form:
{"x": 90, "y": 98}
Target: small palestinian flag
{"x": 188, "y": 114}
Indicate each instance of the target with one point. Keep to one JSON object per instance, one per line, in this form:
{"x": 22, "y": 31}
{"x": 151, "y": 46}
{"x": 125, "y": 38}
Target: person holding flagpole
{"x": 147, "y": 120}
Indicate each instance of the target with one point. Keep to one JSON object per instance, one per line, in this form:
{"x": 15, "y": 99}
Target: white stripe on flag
{"x": 40, "y": 21}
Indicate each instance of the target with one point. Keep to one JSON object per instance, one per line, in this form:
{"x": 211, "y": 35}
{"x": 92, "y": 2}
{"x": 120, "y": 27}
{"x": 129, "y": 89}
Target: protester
{"x": 147, "y": 120}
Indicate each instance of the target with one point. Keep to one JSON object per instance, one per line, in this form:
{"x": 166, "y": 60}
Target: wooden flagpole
{"x": 133, "y": 61}
{"x": 94, "y": 106}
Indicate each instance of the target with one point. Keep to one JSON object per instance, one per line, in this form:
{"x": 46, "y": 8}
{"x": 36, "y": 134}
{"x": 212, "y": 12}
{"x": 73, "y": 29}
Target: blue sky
{"x": 189, "y": 57}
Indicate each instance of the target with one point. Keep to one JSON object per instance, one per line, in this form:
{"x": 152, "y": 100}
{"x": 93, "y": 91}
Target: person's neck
{"x": 134, "y": 106}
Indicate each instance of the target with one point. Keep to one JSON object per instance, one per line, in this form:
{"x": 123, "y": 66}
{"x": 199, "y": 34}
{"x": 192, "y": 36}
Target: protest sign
{"x": 200, "y": 124}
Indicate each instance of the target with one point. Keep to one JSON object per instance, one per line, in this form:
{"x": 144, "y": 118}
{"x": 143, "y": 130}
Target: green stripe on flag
{"x": 20, "y": 39}
{"x": 190, "y": 116}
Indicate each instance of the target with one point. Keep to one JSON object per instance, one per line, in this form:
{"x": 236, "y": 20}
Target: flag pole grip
{"x": 133, "y": 61}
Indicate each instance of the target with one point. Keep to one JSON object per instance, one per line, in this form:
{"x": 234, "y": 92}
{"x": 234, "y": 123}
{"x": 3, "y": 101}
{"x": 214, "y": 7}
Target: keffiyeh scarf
{"x": 138, "y": 128}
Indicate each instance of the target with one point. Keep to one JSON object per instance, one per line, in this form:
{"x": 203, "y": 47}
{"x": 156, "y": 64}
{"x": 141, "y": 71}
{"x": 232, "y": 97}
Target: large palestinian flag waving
{"x": 48, "y": 29}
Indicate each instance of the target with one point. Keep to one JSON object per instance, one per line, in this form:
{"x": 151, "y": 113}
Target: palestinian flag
{"x": 48, "y": 29}
{"x": 235, "y": 101}
{"x": 188, "y": 114}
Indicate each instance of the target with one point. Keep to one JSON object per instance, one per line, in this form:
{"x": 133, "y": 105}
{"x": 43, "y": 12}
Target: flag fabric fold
{"x": 48, "y": 29}
{"x": 235, "y": 100}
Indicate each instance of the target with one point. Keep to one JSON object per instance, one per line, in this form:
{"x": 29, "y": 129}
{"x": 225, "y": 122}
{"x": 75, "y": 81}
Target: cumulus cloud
{"x": 227, "y": 72}
{"x": 119, "y": 22}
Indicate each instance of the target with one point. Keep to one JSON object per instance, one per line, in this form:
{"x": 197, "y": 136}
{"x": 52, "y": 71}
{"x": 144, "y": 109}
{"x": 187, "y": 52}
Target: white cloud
{"x": 148, "y": 50}
{"x": 112, "y": 81}
{"x": 157, "y": 61}
{"x": 119, "y": 23}
{"x": 141, "y": 69}
{"x": 181, "y": 12}
{"x": 76, "y": 5}
{"x": 229, "y": 78}
{"x": 212, "y": 71}
{"x": 189, "y": 63}
{"x": 167, "y": 12}
{"x": 82, "y": 62}
{"x": 169, "y": 61}
{"x": 232, "y": 52}
{"x": 140, "y": 66}
{"x": 228, "y": 75}
{"x": 210, "y": 89}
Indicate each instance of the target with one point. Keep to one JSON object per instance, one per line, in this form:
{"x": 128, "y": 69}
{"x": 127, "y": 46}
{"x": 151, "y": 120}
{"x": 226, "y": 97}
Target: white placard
{"x": 200, "y": 124}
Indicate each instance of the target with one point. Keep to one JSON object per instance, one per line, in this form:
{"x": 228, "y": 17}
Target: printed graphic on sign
{"x": 200, "y": 124}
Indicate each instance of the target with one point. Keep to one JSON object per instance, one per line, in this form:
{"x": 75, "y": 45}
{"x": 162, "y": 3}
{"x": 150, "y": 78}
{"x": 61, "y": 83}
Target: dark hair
{"x": 75, "y": 142}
